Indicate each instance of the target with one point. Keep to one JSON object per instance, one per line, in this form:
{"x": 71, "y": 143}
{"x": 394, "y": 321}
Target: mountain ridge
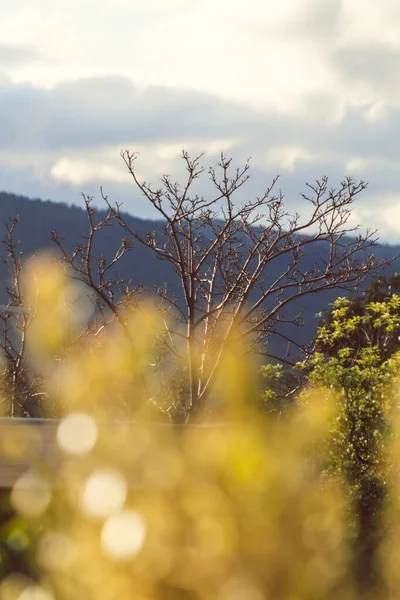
{"x": 39, "y": 217}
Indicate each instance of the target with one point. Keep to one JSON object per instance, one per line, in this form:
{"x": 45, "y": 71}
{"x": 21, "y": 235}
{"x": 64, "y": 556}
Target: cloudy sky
{"x": 306, "y": 88}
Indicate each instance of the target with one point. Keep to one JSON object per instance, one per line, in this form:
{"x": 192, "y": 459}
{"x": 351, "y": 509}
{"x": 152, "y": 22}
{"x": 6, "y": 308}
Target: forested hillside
{"x": 39, "y": 218}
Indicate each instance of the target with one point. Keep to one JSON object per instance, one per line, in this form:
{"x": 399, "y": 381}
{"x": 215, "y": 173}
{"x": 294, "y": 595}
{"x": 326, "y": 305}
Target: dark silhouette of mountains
{"x": 38, "y": 218}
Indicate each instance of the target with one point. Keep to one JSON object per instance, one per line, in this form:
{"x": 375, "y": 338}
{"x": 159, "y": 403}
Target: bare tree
{"x": 22, "y": 390}
{"x": 112, "y": 297}
{"x": 222, "y": 253}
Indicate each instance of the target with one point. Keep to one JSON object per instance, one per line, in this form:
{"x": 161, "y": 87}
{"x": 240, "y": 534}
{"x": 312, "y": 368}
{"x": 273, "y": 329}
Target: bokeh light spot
{"x": 123, "y": 534}
{"x": 31, "y": 494}
{"x": 240, "y": 589}
{"x": 77, "y": 433}
{"x": 35, "y": 592}
{"x": 103, "y": 493}
{"x": 56, "y": 550}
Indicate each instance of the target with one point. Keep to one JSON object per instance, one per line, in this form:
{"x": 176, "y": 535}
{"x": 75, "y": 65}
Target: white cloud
{"x": 104, "y": 165}
{"x": 271, "y": 55}
{"x": 157, "y": 6}
{"x": 238, "y": 52}
{"x": 367, "y": 21}
{"x": 382, "y": 213}
{"x": 78, "y": 171}
{"x": 304, "y": 87}
{"x": 288, "y": 157}
{"x": 368, "y": 164}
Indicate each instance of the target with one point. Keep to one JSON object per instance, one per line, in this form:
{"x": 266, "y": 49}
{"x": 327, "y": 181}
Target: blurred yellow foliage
{"x": 145, "y": 511}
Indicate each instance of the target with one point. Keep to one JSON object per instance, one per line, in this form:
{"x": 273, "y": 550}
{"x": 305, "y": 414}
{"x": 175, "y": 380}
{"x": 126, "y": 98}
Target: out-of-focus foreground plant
{"x": 242, "y": 509}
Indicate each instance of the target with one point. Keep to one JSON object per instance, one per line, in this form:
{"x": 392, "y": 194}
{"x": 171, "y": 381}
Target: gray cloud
{"x": 318, "y": 20}
{"x": 13, "y": 54}
{"x": 111, "y": 111}
{"x": 372, "y": 64}
{"x": 92, "y": 114}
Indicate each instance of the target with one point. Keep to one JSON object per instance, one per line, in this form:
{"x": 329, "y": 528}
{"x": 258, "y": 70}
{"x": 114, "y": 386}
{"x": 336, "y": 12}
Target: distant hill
{"x": 39, "y": 218}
